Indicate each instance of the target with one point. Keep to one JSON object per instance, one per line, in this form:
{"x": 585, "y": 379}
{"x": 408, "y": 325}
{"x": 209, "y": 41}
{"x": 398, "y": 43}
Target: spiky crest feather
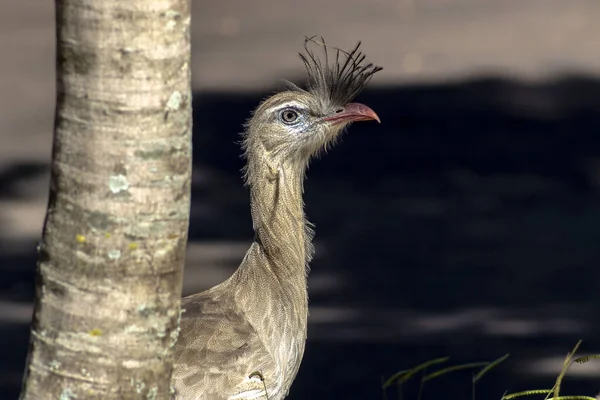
{"x": 338, "y": 83}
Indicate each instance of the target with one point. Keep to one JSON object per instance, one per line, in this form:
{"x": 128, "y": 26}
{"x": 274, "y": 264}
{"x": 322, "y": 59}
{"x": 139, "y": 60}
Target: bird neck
{"x": 281, "y": 230}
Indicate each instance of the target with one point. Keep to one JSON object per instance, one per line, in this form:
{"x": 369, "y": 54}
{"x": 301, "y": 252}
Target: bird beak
{"x": 353, "y": 112}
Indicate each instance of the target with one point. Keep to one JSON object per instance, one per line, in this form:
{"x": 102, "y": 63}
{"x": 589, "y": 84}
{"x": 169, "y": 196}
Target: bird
{"x": 245, "y": 338}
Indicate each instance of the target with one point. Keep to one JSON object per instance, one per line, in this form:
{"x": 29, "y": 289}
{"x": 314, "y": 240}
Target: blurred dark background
{"x": 466, "y": 225}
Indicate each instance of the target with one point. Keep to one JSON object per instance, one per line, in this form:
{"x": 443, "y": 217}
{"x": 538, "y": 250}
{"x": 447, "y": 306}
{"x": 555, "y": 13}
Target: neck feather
{"x": 270, "y": 284}
{"x": 281, "y": 229}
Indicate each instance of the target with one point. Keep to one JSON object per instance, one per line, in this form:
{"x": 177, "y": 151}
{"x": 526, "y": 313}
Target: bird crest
{"x": 340, "y": 82}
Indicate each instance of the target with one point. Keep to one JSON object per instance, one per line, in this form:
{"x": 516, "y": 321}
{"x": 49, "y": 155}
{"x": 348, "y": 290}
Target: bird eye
{"x": 288, "y": 116}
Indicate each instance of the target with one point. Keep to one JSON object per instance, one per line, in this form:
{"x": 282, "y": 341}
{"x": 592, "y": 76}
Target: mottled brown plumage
{"x": 248, "y": 333}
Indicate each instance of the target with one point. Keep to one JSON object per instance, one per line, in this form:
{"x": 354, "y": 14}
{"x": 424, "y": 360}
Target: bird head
{"x": 294, "y": 125}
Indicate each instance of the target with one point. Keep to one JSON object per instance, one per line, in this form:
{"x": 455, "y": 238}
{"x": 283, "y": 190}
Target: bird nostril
{"x": 339, "y": 110}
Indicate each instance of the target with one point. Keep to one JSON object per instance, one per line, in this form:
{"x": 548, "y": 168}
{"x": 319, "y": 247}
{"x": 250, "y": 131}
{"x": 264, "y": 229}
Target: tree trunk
{"x": 112, "y": 254}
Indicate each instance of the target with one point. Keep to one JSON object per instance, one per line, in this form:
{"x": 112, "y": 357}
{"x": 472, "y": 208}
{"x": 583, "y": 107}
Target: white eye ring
{"x": 289, "y": 116}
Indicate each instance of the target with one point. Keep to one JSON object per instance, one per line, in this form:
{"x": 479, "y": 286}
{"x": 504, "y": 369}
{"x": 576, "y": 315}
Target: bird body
{"x": 245, "y": 338}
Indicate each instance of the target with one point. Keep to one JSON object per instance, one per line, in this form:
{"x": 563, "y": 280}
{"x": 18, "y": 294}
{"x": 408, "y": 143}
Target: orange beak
{"x": 353, "y": 112}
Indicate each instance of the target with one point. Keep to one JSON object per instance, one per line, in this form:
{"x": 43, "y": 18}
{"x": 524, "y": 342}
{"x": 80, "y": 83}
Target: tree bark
{"x": 111, "y": 258}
